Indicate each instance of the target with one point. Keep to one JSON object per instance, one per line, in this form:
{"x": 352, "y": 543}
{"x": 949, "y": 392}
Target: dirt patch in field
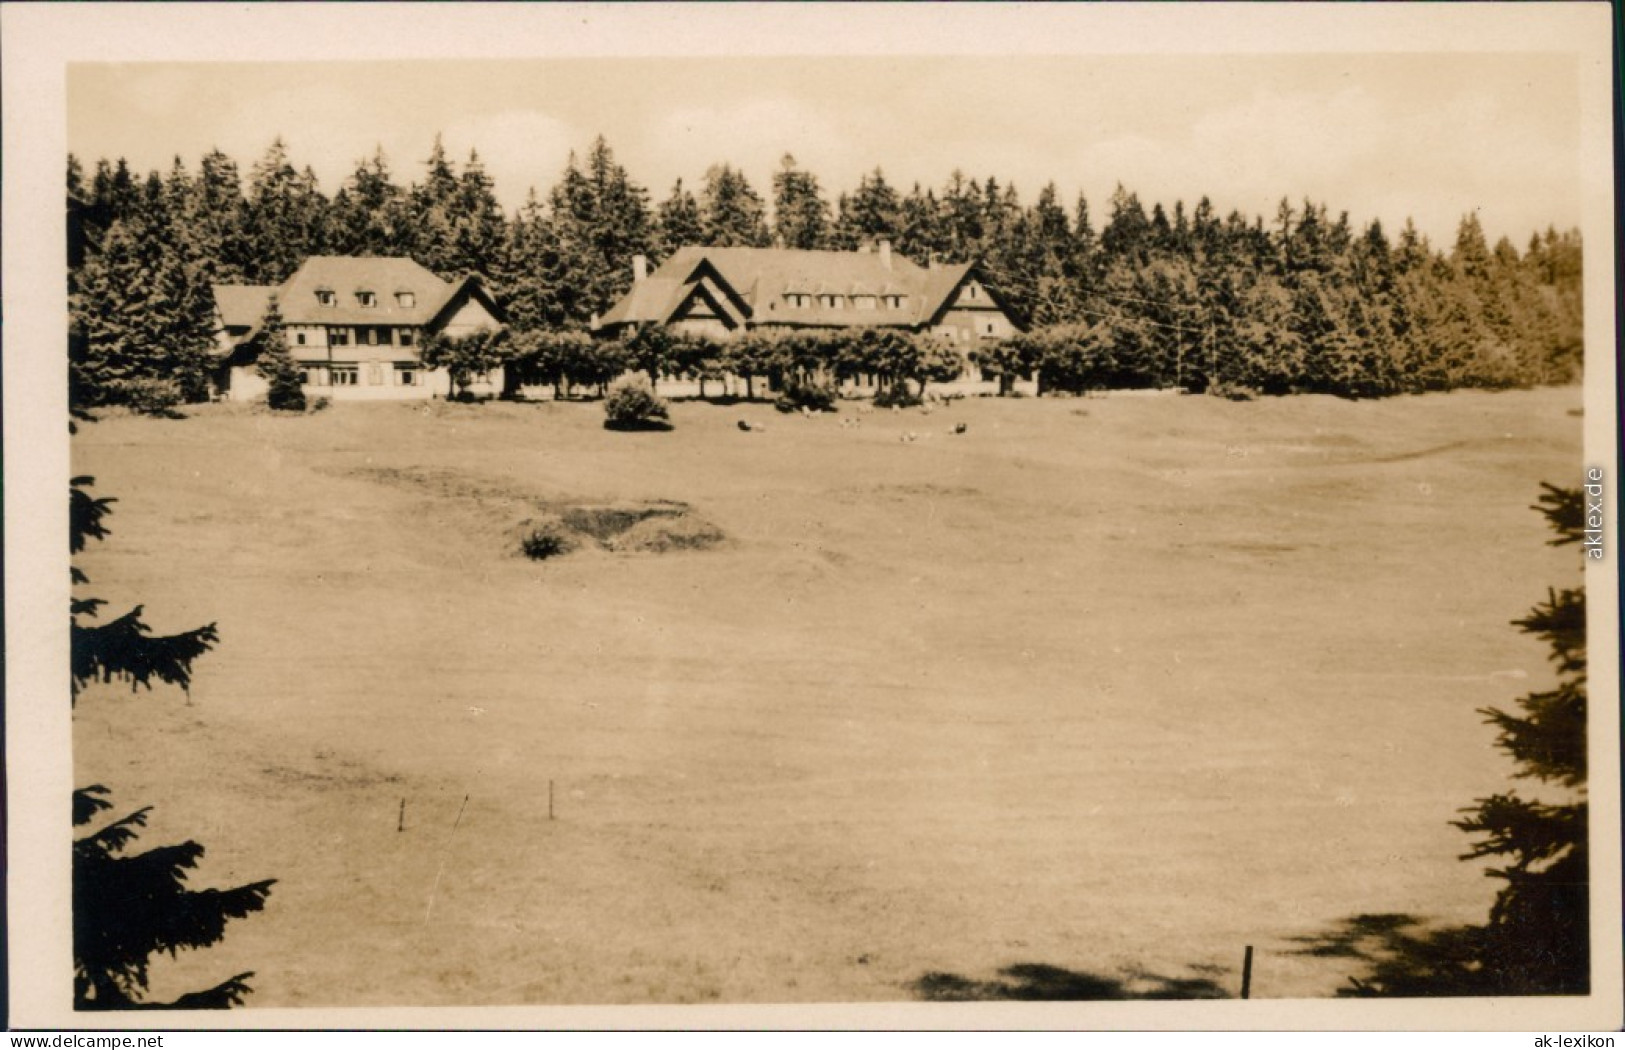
{"x": 653, "y": 526}
{"x": 659, "y": 534}
{"x": 656, "y": 527}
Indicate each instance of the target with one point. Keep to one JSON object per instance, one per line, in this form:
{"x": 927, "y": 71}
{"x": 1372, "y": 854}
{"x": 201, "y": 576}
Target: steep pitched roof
{"x": 760, "y": 278}
{"x": 242, "y": 305}
{"x": 427, "y": 300}
{"x": 940, "y": 286}
{"x": 347, "y": 275}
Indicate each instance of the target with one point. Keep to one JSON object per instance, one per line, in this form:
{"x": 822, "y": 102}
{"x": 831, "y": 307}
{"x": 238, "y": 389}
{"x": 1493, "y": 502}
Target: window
{"x": 326, "y": 297}
{"x": 299, "y": 338}
{"x": 863, "y": 302}
{"x": 345, "y": 375}
{"x": 406, "y": 299}
{"x": 894, "y": 302}
{"x": 313, "y": 375}
{"x": 972, "y": 291}
{"x": 366, "y": 336}
{"x": 797, "y": 299}
{"x": 338, "y": 337}
{"x": 407, "y": 337}
{"x": 989, "y": 328}
{"x": 832, "y": 302}
{"x": 366, "y": 299}
{"x": 406, "y": 375}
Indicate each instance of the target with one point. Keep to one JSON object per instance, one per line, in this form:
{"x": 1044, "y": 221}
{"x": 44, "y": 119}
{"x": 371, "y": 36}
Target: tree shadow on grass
{"x": 637, "y": 425}
{"x": 1400, "y": 955}
{"x": 1039, "y": 982}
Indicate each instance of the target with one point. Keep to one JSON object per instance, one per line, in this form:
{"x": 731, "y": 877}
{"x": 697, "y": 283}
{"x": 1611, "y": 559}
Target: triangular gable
{"x": 470, "y": 288}
{"x": 713, "y": 296}
{"x": 706, "y": 269}
{"x": 946, "y": 299}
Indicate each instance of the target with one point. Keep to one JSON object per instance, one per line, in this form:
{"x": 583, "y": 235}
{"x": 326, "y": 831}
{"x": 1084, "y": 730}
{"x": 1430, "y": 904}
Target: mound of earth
{"x": 656, "y": 527}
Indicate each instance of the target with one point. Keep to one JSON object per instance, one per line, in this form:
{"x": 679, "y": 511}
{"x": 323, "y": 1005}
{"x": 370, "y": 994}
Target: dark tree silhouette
{"x": 122, "y": 649}
{"x": 1537, "y": 939}
{"x": 128, "y": 906}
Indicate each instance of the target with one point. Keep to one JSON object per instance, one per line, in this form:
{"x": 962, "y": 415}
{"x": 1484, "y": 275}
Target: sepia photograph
{"x": 937, "y": 516}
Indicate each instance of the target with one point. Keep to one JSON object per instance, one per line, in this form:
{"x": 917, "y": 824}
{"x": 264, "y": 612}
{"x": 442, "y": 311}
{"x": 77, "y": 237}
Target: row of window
{"x": 862, "y": 301}
{"x": 365, "y": 335}
{"x": 374, "y": 373}
{"x": 831, "y": 301}
{"x": 956, "y": 334}
{"x": 366, "y": 299}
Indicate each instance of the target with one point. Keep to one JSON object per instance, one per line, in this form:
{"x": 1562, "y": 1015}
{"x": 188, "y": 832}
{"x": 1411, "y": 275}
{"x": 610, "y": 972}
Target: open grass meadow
{"x": 1088, "y": 696}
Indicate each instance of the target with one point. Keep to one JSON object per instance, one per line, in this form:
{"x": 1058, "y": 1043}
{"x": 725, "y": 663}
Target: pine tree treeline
{"x": 1167, "y": 297}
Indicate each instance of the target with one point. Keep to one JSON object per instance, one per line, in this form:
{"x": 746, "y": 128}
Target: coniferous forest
{"x": 1127, "y": 296}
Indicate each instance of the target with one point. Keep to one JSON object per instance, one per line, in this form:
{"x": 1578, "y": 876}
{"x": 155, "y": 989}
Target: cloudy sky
{"x": 1425, "y": 135}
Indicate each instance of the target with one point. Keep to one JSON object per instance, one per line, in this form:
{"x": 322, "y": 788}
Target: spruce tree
{"x": 433, "y": 203}
{"x": 602, "y": 221}
{"x": 530, "y": 273}
{"x": 871, "y": 213}
{"x": 142, "y": 316}
{"x": 677, "y": 223}
{"x": 479, "y": 229}
{"x": 285, "y": 218}
{"x": 921, "y": 236}
{"x": 1538, "y": 939}
{"x": 800, "y": 213}
{"x": 215, "y": 219}
{"x": 368, "y": 215}
{"x": 275, "y": 364}
{"x": 128, "y": 906}
{"x": 732, "y": 212}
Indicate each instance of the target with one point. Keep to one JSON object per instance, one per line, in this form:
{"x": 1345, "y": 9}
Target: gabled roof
{"x": 242, "y": 305}
{"x": 345, "y": 275}
{"x": 760, "y": 278}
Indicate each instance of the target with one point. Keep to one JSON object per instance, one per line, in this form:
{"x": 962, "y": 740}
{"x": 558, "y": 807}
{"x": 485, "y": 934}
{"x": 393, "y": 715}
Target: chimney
{"x": 640, "y": 268}
{"x": 885, "y": 253}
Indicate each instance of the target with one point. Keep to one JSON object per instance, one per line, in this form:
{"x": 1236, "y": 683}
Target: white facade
{"x": 368, "y": 350}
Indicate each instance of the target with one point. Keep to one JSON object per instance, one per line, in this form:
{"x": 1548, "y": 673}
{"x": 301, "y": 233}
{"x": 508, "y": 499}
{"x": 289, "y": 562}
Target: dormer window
{"x": 366, "y": 299}
{"x": 831, "y": 302}
{"x": 894, "y": 302}
{"x": 863, "y": 302}
{"x": 326, "y": 297}
{"x": 406, "y": 300}
{"x": 797, "y": 299}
